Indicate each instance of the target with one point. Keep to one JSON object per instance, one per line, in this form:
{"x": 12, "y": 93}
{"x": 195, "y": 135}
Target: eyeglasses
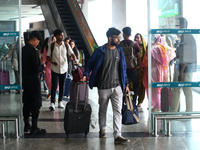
{"x": 118, "y": 37}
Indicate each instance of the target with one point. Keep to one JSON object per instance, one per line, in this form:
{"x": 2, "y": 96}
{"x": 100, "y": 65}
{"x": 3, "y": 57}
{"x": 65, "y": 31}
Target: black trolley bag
{"x": 166, "y": 96}
{"x": 77, "y": 115}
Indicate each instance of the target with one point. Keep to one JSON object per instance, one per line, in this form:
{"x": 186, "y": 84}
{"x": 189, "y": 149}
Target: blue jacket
{"x": 96, "y": 60}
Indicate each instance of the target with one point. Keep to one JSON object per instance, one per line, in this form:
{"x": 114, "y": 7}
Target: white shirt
{"x": 59, "y": 55}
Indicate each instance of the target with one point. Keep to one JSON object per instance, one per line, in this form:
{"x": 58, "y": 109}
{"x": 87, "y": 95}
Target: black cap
{"x": 36, "y": 34}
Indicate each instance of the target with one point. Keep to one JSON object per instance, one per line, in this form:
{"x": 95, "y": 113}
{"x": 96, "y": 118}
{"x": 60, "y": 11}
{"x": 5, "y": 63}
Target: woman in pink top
{"x": 47, "y": 75}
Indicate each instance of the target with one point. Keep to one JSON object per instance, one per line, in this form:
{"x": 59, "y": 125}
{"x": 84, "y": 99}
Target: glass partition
{"x": 10, "y": 64}
{"x": 174, "y": 63}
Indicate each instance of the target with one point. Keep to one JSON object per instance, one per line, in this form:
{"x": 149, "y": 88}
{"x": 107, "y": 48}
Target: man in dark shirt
{"x": 31, "y": 68}
{"x": 132, "y": 73}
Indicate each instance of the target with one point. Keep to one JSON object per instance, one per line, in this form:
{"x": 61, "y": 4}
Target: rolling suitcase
{"x": 81, "y": 95}
{"x": 166, "y": 99}
{"x": 4, "y": 77}
{"x": 67, "y": 86}
{"x": 166, "y": 96}
{"x": 77, "y": 116}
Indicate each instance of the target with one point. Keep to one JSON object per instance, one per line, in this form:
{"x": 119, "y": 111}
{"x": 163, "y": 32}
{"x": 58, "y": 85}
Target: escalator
{"x": 67, "y": 15}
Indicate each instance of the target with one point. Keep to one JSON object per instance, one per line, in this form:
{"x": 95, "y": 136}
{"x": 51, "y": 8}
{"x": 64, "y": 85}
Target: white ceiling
{"x": 27, "y": 11}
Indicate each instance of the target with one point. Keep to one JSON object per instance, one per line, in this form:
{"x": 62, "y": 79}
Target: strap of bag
{"x": 132, "y": 44}
{"x": 129, "y": 103}
{"x": 121, "y": 44}
{"x": 136, "y": 118}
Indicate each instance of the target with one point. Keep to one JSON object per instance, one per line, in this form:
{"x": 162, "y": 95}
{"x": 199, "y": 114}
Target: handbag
{"x": 130, "y": 113}
{"x": 77, "y": 74}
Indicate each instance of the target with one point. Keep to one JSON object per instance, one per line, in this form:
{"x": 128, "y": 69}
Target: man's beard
{"x": 113, "y": 43}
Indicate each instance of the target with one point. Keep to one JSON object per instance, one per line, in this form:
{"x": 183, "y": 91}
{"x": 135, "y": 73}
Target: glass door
{"x": 173, "y": 65}
{"x": 10, "y": 68}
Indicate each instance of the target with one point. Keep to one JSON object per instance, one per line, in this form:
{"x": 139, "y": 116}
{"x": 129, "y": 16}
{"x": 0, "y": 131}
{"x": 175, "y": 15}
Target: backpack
{"x": 131, "y": 60}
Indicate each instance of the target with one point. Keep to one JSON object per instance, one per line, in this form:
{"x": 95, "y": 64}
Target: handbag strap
{"x": 129, "y": 103}
{"x": 136, "y": 118}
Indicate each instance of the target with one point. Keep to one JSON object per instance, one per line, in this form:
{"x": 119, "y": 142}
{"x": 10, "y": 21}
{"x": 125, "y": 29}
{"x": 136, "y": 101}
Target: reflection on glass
{"x": 159, "y": 69}
{"x": 14, "y": 54}
{"x": 10, "y": 101}
{"x": 185, "y": 66}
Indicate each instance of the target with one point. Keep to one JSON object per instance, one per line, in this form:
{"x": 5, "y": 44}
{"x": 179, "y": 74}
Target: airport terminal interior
{"x": 86, "y": 22}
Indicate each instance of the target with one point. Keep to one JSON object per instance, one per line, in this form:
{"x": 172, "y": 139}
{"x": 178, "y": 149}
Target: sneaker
{"x": 52, "y": 107}
{"x": 102, "y": 133}
{"x": 60, "y": 105}
{"x": 120, "y": 140}
{"x": 38, "y": 131}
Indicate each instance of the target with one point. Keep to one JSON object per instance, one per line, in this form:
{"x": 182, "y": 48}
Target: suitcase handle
{"x": 78, "y": 83}
{"x": 3, "y": 62}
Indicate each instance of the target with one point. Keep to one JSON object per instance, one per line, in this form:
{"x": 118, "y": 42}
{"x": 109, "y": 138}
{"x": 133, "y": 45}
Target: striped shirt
{"x": 109, "y": 70}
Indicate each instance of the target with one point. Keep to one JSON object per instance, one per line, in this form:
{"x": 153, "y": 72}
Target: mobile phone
{"x": 46, "y": 62}
{"x": 55, "y": 63}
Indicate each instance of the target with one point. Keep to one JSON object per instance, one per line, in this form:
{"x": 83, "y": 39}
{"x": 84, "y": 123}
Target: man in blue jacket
{"x": 108, "y": 68}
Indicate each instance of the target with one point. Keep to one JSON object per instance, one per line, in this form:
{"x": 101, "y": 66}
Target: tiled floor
{"x": 185, "y": 133}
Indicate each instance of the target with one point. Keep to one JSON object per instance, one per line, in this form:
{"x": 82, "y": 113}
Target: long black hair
{"x": 75, "y": 49}
{"x": 45, "y": 44}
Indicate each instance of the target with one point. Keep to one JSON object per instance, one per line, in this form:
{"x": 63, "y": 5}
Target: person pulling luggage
{"x": 108, "y": 68}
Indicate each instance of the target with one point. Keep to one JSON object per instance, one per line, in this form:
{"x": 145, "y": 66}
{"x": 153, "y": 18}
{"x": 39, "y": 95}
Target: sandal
{"x": 49, "y": 96}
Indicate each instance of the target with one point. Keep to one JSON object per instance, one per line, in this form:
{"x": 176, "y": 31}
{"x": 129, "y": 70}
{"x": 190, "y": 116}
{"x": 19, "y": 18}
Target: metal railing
{"x": 16, "y": 126}
{"x": 168, "y": 118}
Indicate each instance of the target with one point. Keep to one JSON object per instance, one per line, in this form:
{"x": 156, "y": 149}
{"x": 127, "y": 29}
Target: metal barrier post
{"x": 168, "y": 129}
{"x": 3, "y": 130}
{"x": 155, "y": 127}
{"x": 16, "y": 128}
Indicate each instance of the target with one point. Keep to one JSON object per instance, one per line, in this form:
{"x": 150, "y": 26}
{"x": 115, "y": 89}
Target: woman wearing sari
{"x": 141, "y": 92}
{"x": 159, "y": 66}
{"x": 172, "y": 55}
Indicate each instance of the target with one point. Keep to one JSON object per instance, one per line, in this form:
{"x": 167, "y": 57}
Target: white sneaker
{"x": 60, "y": 105}
{"x": 52, "y": 107}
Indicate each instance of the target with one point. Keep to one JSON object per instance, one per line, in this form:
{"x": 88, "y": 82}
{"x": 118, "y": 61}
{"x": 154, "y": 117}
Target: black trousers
{"x": 32, "y": 100}
{"x": 55, "y": 79}
{"x": 133, "y": 75}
